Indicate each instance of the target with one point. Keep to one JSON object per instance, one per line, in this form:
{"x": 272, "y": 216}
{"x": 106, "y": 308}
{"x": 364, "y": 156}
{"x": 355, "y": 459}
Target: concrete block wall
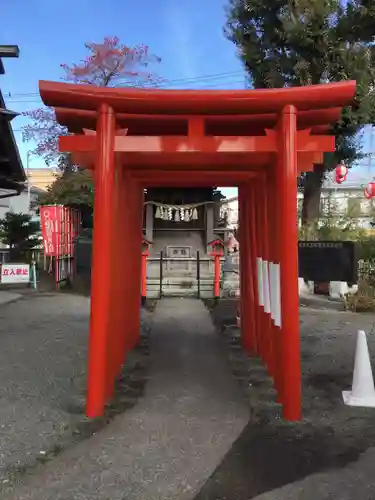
{"x": 231, "y": 284}
{"x": 337, "y": 289}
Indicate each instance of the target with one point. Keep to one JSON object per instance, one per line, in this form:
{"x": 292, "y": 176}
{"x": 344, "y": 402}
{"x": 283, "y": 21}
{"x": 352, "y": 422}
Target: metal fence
{"x": 37, "y": 255}
{"x": 61, "y": 268}
{"x": 190, "y": 276}
{"x": 173, "y": 276}
{"x": 180, "y": 276}
{"x": 166, "y": 276}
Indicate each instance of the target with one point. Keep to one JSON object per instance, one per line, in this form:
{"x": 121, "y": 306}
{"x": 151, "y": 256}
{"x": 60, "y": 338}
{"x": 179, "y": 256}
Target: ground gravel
{"x": 333, "y": 444}
{"x": 43, "y": 361}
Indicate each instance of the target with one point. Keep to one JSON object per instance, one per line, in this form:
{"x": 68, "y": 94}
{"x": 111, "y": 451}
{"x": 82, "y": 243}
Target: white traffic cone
{"x": 363, "y": 390}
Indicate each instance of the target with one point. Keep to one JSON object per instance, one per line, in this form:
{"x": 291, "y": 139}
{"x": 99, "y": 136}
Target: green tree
{"x": 72, "y": 188}
{"x": 302, "y": 42}
{"x": 20, "y": 234}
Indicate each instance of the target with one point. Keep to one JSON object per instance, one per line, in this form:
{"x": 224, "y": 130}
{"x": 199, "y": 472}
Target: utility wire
{"x": 207, "y": 86}
{"x": 15, "y": 97}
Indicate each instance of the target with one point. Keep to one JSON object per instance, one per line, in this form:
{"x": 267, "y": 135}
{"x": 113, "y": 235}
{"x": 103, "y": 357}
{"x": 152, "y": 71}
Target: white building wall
{"x": 19, "y": 204}
{"x": 4, "y": 206}
{"x": 230, "y": 208}
{"x": 335, "y": 202}
{"x": 337, "y": 198}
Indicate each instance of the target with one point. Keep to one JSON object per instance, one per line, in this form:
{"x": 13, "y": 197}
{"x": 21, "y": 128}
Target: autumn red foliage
{"x": 113, "y": 64}
{"x": 109, "y": 64}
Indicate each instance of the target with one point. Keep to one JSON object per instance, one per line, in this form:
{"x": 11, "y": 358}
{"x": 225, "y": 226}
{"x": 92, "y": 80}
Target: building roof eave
{"x": 14, "y": 171}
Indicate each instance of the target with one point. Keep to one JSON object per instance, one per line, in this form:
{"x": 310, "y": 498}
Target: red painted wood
{"x": 306, "y": 143}
{"x": 103, "y": 240}
{"x": 251, "y": 188}
{"x": 246, "y": 299}
{"x": 171, "y": 124}
{"x": 160, "y": 101}
{"x": 290, "y": 330}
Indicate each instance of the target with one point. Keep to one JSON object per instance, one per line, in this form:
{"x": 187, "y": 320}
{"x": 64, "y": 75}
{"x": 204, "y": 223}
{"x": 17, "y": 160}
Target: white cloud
{"x": 180, "y": 35}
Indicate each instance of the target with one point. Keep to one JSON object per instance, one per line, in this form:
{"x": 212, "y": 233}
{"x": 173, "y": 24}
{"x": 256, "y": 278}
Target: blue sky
{"x": 188, "y": 36}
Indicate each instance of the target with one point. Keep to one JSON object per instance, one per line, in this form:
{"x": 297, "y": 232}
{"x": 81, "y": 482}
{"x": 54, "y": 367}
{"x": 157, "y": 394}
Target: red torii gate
{"x": 256, "y": 140}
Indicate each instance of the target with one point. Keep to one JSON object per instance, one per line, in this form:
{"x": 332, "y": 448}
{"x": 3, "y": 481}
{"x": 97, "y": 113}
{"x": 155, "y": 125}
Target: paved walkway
{"x": 173, "y": 439}
{"x": 6, "y": 297}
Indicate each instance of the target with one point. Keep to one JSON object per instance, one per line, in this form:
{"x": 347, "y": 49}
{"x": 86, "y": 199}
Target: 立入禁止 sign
{"x": 15, "y": 273}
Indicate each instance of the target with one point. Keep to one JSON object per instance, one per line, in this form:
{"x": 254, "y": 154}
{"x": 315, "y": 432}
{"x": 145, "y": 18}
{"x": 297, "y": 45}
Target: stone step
{"x": 180, "y": 292}
{"x": 174, "y": 280}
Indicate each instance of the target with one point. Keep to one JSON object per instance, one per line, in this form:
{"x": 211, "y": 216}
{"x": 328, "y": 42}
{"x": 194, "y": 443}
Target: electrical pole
{"x": 29, "y": 153}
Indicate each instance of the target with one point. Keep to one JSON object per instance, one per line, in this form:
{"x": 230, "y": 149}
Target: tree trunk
{"x": 311, "y": 195}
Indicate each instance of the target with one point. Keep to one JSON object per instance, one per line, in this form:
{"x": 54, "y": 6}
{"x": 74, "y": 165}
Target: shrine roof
{"x": 159, "y": 111}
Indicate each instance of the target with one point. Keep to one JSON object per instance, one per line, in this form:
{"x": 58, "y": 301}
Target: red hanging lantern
{"x": 341, "y": 172}
{"x": 369, "y": 191}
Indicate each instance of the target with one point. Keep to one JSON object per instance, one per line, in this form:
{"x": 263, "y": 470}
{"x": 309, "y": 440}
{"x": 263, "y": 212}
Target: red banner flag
{"x": 48, "y": 218}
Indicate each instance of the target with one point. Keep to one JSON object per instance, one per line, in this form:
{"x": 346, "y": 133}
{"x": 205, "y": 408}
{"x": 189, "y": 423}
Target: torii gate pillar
{"x": 104, "y": 181}
{"x": 290, "y": 330}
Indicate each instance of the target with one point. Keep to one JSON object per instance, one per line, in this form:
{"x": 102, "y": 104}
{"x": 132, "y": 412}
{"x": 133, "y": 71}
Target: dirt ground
{"x": 271, "y": 453}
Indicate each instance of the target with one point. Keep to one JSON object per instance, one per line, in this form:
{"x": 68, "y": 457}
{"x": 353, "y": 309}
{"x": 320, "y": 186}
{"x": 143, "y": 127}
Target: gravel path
{"x": 43, "y": 360}
{"x": 196, "y": 432}
{"x": 331, "y": 447}
{"x": 167, "y": 445}
{"x": 42, "y": 376}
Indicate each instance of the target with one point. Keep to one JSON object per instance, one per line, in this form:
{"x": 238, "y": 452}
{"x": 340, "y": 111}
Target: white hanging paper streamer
{"x": 260, "y": 281}
{"x": 176, "y": 213}
{"x": 271, "y": 274}
{"x": 266, "y": 287}
{"x": 277, "y": 296}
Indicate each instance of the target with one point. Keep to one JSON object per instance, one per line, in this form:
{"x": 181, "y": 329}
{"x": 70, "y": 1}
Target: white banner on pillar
{"x": 271, "y": 271}
{"x": 266, "y": 287}
{"x": 260, "y": 281}
{"x": 277, "y": 295}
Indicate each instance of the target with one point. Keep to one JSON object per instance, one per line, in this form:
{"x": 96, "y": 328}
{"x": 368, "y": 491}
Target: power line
{"x": 176, "y": 82}
{"x": 204, "y": 86}
{"x": 207, "y": 86}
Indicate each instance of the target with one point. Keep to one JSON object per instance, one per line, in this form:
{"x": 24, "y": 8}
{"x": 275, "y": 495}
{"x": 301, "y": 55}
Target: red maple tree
{"x": 109, "y": 64}
{"x": 113, "y": 64}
